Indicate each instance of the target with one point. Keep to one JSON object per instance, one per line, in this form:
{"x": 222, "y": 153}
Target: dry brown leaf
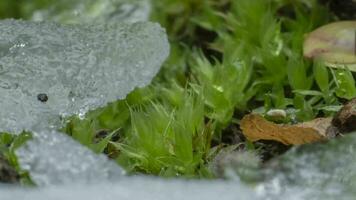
{"x": 255, "y": 128}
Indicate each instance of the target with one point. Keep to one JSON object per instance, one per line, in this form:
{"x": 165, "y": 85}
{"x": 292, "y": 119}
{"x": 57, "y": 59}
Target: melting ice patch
{"x": 316, "y": 171}
{"x": 54, "y": 158}
{"x": 49, "y": 70}
{"x": 95, "y": 11}
{"x": 137, "y": 188}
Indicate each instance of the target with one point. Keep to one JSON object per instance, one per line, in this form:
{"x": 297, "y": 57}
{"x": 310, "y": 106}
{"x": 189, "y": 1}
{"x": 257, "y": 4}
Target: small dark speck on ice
{"x": 42, "y": 97}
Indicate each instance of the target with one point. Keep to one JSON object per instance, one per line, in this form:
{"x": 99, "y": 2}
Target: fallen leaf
{"x": 334, "y": 44}
{"x": 255, "y": 128}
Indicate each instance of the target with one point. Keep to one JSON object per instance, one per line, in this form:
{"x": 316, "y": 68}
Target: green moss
{"x": 8, "y": 145}
{"x": 228, "y": 57}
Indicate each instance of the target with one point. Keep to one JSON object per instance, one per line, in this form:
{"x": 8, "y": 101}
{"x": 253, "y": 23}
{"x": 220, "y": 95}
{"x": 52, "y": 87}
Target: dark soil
{"x": 7, "y": 173}
{"x": 344, "y": 9}
{"x": 345, "y": 119}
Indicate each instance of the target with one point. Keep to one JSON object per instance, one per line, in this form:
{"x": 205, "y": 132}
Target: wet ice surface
{"x": 95, "y": 11}
{"x": 317, "y": 171}
{"x": 49, "y": 71}
{"x": 77, "y": 68}
{"x": 53, "y": 158}
{"x": 139, "y": 188}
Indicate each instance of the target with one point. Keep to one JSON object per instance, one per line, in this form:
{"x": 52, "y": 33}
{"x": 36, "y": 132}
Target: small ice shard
{"x": 137, "y": 188}
{"x": 94, "y": 11}
{"x": 54, "y": 158}
{"x": 49, "y": 70}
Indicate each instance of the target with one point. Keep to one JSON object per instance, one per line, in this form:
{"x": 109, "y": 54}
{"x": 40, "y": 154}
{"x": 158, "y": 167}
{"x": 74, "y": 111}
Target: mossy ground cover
{"x": 228, "y": 58}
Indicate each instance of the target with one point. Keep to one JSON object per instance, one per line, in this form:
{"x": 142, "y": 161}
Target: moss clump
{"x": 228, "y": 58}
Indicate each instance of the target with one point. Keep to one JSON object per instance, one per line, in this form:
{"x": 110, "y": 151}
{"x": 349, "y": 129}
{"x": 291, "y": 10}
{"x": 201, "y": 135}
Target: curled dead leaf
{"x": 255, "y": 128}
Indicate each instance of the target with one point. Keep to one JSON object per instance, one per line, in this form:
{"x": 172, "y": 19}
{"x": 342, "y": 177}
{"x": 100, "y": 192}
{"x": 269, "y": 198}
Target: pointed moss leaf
{"x": 321, "y": 76}
{"x": 346, "y": 87}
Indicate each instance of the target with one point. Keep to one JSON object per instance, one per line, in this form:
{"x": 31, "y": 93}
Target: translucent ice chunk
{"x": 317, "y": 171}
{"x": 137, "y": 188}
{"x": 94, "y": 11}
{"x": 54, "y": 158}
{"x": 49, "y": 70}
